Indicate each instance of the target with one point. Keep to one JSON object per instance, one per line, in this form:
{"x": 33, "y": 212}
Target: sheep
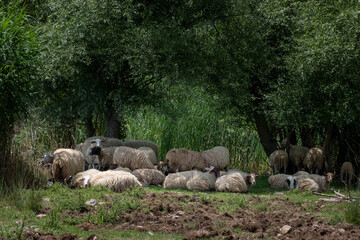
{"x": 181, "y": 159}
{"x": 250, "y": 178}
{"x": 81, "y": 179}
{"x": 104, "y": 142}
{"x": 279, "y": 160}
{"x": 49, "y": 157}
{"x": 231, "y": 182}
{"x": 67, "y": 163}
{"x": 315, "y": 160}
{"x": 105, "y": 156}
{"x": 150, "y": 154}
{"x": 131, "y": 158}
{"x": 297, "y": 155}
{"x": 322, "y": 181}
{"x": 307, "y": 184}
{"x": 218, "y": 157}
{"x": 203, "y": 181}
{"x": 44, "y": 170}
{"x": 149, "y": 176}
{"x": 347, "y": 173}
{"x": 280, "y": 181}
{"x": 162, "y": 167}
{"x": 142, "y": 143}
{"x": 179, "y": 180}
{"x": 116, "y": 167}
{"x": 117, "y": 181}
{"x": 300, "y": 173}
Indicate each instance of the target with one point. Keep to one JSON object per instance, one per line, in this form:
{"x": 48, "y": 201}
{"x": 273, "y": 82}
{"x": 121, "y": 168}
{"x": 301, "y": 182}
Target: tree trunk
{"x": 327, "y": 140}
{"x": 90, "y": 129}
{"x": 114, "y": 127}
{"x": 306, "y": 135}
{"x": 267, "y": 140}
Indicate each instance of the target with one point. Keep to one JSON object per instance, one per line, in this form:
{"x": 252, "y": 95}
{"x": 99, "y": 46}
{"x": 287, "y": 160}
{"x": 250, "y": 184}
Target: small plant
{"x": 52, "y": 220}
{"x": 205, "y": 199}
{"x": 262, "y": 206}
{"x": 352, "y": 213}
{"x": 33, "y": 201}
{"x": 136, "y": 192}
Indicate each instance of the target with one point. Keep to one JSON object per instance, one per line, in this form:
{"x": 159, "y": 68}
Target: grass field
{"x": 157, "y": 213}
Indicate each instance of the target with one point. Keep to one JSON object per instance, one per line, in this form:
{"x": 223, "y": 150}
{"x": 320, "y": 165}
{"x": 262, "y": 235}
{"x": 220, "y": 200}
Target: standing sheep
{"x": 180, "y": 159}
{"x": 297, "y": 155}
{"x": 105, "y": 156}
{"x": 142, "y": 143}
{"x": 149, "y": 176}
{"x": 218, "y": 157}
{"x": 117, "y": 181}
{"x": 231, "y": 182}
{"x": 131, "y": 158}
{"x": 279, "y": 160}
{"x": 347, "y": 173}
{"x": 67, "y": 163}
{"x": 150, "y": 154}
{"x": 315, "y": 161}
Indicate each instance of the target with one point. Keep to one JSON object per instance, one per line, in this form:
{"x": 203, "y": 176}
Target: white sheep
{"x": 131, "y": 158}
{"x": 81, "y": 179}
{"x": 49, "y": 157}
{"x": 347, "y": 173}
{"x": 116, "y": 167}
{"x": 179, "y": 180}
{"x": 67, "y": 163}
{"x": 149, "y": 176}
{"x": 117, "y": 181}
{"x": 218, "y": 157}
{"x": 142, "y": 143}
{"x": 231, "y": 182}
{"x": 150, "y": 154}
{"x": 280, "y": 181}
{"x": 181, "y": 159}
{"x": 279, "y": 160}
{"x": 322, "y": 181}
{"x": 306, "y": 184}
{"x": 249, "y": 178}
{"x": 203, "y": 181}
{"x": 300, "y": 173}
{"x": 315, "y": 160}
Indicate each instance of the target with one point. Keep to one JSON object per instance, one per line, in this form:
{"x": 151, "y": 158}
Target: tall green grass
{"x": 189, "y": 119}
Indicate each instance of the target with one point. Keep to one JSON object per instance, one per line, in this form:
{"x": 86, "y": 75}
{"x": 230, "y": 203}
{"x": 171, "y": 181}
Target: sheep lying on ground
{"x": 347, "y": 173}
{"x": 131, "y": 158}
{"x": 162, "y": 167}
{"x": 179, "y": 180}
{"x": 322, "y": 181}
{"x": 231, "y": 182}
{"x": 249, "y": 178}
{"x": 180, "y": 159}
{"x": 149, "y": 176}
{"x": 105, "y": 156}
{"x": 117, "y": 181}
{"x": 300, "y": 173}
{"x": 307, "y": 184}
{"x": 142, "y": 143}
{"x": 280, "y": 180}
{"x": 67, "y": 163}
{"x": 315, "y": 160}
{"x": 218, "y": 157}
{"x": 116, "y": 167}
{"x": 203, "y": 181}
{"x": 81, "y": 179}
{"x": 279, "y": 160}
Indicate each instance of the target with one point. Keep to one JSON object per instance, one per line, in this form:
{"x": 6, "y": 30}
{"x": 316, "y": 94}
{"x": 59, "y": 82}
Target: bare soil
{"x": 171, "y": 212}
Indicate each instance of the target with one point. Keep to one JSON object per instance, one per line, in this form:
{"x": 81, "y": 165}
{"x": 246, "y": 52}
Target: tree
{"x": 18, "y": 79}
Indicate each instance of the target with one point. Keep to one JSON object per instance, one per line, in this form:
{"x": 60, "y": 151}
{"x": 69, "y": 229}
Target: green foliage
{"x": 352, "y": 213}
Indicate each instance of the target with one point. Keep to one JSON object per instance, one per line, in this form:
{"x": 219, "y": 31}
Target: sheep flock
{"x": 119, "y": 165}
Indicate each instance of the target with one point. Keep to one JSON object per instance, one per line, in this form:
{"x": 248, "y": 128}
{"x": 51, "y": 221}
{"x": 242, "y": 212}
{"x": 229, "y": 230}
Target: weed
{"x": 52, "y": 220}
{"x": 352, "y": 213}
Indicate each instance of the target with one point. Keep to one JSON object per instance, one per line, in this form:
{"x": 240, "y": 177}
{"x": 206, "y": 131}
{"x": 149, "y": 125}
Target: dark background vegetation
{"x": 193, "y": 74}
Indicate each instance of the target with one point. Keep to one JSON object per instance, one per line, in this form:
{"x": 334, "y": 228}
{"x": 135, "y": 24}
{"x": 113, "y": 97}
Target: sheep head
{"x": 48, "y": 158}
{"x": 95, "y": 150}
{"x": 250, "y": 179}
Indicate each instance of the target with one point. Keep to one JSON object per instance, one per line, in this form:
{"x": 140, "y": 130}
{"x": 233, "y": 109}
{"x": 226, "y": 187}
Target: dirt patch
{"x": 194, "y": 217}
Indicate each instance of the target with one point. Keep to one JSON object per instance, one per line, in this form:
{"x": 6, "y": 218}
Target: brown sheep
{"x": 279, "y": 160}
{"x": 315, "y": 161}
{"x": 347, "y": 173}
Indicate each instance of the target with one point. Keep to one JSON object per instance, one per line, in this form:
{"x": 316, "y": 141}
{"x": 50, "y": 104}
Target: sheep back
{"x": 150, "y": 154}
{"x": 201, "y": 182}
{"x": 143, "y": 143}
{"x": 279, "y": 181}
{"x": 279, "y": 160}
{"x": 179, "y": 180}
{"x": 79, "y": 180}
{"x": 307, "y": 184}
{"x": 296, "y": 156}
{"x": 149, "y": 176}
{"x": 218, "y": 157}
{"x": 131, "y": 158}
{"x": 315, "y": 160}
{"x": 298, "y": 173}
{"x": 181, "y": 159}
{"x": 67, "y": 163}
{"x": 117, "y": 181}
{"x": 231, "y": 182}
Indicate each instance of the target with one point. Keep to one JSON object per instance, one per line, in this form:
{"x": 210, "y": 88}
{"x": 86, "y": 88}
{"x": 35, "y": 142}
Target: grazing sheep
{"x": 322, "y": 181}
{"x": 181, "y": 159}
{"x": 131, "y": 158}
{"x": 67, "y": 163}
{"x": 150, "y": 154}
{"x": 81, "y": 179}
{"x": 347, "y": 173}
{"x": 203, "y": 181}
{"x": 250, "y": 178}
{"x": 297, "y": 155}
{"x": 117, "y": 181}
{"x": 231, "y": 182}
{"x": 300, "y": 173}
{"x": 104, "y": 142}
{"x": 142, "y": 143}
{"x": 218, "y": 157}
{"x": 279, "y": 180}
{"x": 105, "y": 156}
{"x": 149, "y": 176}
{"x": 179, "y": 180}
{"x": 279, "y": 160}
{"x": 307, "y": 184}
{"x": 315, "y": 161}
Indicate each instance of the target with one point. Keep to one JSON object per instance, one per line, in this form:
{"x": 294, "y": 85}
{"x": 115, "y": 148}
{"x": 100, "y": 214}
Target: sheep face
{"x": 250, "y": 179}
{"x": 291, "y": 182}
{"x": 48, "y": 158}
{"x": 95, "y": 150}
{"x": 163, "y": 167}
{"x": 329, "y": 177}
